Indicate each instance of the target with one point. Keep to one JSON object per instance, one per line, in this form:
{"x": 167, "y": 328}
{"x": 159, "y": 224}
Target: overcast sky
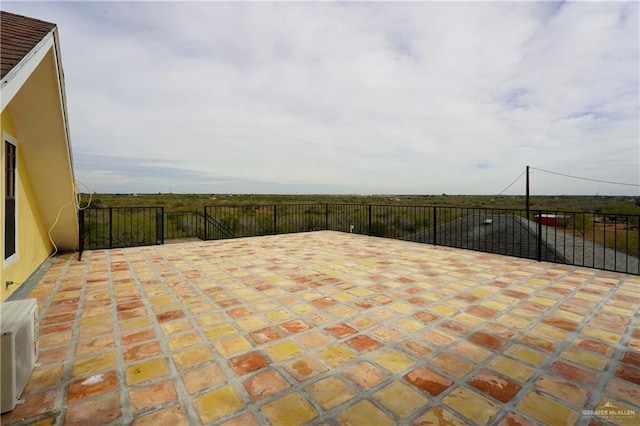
{"x": 417, "y": 98}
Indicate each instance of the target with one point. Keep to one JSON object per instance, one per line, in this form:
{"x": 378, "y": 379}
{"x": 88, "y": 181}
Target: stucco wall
{"x": 33, "y": 245}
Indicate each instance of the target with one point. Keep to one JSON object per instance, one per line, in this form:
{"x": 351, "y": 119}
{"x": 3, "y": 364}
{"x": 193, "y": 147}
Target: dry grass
{"x": 175, "y": 202}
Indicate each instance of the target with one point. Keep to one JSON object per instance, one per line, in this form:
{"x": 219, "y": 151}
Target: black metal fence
{"x": 183, "y": 224}
{"x": 120, "y": 227}
{"x": 603, "y": 241}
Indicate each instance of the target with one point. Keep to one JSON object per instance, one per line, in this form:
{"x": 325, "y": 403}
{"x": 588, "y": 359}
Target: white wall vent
{"x": 19, "y": 349}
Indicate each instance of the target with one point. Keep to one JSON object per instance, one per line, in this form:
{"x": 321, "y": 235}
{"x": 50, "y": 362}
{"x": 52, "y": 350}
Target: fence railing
{"x": 183, "y": 224}
{"x": 603, "y": 241}
{"x": 115, "y": 227}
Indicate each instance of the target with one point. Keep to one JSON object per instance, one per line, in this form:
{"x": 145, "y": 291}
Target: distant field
{"x": 184, "y": 202}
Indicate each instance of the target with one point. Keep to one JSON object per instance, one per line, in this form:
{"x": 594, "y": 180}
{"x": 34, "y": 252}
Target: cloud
{"x": 426, "y": 97}
{"x": 119, "y": 174}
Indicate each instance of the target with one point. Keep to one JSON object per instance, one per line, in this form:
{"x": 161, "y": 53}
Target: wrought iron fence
{"x": 120, "y": 227}
{"x": 249, "y": 221}
{"x": 183, "y": 224}
{"x": 603, "y": 241}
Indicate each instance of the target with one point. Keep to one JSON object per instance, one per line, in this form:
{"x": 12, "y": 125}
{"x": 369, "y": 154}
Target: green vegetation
{"x": 184, "y": 202}
{"x": 596, "y": 219}
{"x": 120, "y": 228}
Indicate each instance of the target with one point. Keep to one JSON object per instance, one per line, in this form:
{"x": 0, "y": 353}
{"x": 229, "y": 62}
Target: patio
{"x": 330, "y": 328}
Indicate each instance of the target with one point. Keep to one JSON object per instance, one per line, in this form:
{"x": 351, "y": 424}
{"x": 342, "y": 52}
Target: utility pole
{"x": 527, "y": 198}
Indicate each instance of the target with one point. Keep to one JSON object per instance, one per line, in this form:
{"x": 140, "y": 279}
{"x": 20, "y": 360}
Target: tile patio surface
{"x": 330, "y": 328}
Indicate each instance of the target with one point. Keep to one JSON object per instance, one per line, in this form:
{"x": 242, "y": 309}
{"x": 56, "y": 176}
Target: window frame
{"x": 9, "y": 140}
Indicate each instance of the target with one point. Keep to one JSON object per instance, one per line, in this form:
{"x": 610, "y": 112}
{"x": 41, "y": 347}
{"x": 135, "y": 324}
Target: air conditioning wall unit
{"x": 19, "y": 349}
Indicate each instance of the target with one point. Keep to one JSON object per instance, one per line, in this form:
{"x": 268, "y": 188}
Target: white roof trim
{"x": 63, "y": 100}
{"x": 14, "y": 80}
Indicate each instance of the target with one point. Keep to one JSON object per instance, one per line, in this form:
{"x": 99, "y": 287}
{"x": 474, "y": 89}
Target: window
{"x": 10, "y": 200}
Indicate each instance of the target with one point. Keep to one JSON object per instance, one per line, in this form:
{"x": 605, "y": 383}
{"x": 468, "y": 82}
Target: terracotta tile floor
{"x": 331, "y": 328}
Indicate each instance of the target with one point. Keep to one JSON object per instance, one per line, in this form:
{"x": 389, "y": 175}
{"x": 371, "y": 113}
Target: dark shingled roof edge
{"x": 18, "y": 36}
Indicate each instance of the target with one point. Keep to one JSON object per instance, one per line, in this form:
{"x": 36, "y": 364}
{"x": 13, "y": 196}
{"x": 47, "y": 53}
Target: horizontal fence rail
{"x": 597, "y": 240}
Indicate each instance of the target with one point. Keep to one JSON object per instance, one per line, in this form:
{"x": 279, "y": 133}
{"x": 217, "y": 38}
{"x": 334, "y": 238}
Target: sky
{"x": 351, "y": 97}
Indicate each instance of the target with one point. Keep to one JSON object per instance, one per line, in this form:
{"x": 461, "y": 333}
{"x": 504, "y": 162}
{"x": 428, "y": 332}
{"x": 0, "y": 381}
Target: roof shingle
{"x": 18, "y": 36}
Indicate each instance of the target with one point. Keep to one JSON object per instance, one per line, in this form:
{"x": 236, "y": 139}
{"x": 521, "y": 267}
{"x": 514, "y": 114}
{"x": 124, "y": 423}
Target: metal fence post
{"x": 435, "y": 226}
{"x": 326, "y": 217}
{"x": 539, "y": 237}
{"x": 160, "y": 226}
{"x": 369, "y": 219}
{"x": 110, "y": 227}
{"x": 275, "y": 219}
{"x": 204, "y": 226}
{"x": 80, "y": 234}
